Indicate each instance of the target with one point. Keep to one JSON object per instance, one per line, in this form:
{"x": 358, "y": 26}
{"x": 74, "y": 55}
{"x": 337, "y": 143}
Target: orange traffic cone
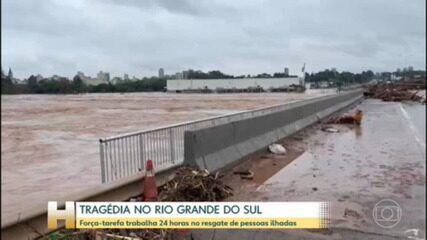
{"x": 150, "y": 187}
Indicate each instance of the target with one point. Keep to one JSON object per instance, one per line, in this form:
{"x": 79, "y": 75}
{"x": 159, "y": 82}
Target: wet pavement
{"x": 353, "y": 169}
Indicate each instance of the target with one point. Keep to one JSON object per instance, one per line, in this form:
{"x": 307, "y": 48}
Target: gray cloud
{"x": 237, "y": 37}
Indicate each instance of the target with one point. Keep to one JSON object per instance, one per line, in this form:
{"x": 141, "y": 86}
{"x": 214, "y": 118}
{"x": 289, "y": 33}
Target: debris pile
{"x": 135, "y": 234}
{"x": 110, "y": 234}
{"x": 356, "y": 118}
{"x": 397, "y": 92}
{"x": 188, "y": 185}
{"x": 192, "y": 184}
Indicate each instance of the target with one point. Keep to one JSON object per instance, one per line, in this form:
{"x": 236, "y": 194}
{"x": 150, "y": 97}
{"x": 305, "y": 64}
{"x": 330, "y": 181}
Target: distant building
{"x": 179, "y": 75}
{"x": 394, "y": 77}
{"x": 286, "y": 72}
{"x": 126, "y": 77}
{"x": 323, "y": 84}
{"x": 103, "y": 77}
{"x": 185, "y": 74}
{"x": 334, "y": 70}
{"x": 239, "y": 84}
{"x": 161, "y": 73}
{"x": 89, "y": 80}
{"x": 85, "y": 79}
{"x": 410, "y": 69}
{"x": 20, "y": 81}
{"x": 116, "y": 80}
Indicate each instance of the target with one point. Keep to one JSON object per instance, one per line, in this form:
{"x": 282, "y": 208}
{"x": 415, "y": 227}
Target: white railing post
{"x": 172, "y": 145}
{"x": 103, "y": 170}
{"x": 141, "y": 152}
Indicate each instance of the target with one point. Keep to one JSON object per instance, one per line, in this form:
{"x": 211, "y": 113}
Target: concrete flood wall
{"x": 223, "y": 145}
{"x": 239, "y": 83}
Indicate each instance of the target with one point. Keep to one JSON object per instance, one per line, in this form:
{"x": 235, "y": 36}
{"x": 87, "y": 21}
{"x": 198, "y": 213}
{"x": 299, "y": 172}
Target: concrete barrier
{"x": 221, "y": 146}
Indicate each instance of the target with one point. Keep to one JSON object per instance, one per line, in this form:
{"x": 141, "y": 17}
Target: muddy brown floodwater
{"x": 50, "y": 142}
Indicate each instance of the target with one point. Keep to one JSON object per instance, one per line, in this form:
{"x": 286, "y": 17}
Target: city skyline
{"x": 104, "y": 76}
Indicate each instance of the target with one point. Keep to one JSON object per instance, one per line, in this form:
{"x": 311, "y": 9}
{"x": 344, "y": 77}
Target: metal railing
{"x": 125, "y": 155}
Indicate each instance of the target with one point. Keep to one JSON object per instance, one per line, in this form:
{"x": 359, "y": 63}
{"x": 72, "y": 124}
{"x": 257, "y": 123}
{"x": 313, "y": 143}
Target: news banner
{"x": 194, "y": 215}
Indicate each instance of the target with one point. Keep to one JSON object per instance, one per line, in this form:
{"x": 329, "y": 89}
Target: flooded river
{"x": 50, "y": 142}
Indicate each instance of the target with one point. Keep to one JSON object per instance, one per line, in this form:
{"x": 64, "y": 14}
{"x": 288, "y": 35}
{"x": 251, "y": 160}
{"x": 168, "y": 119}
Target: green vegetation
{"x": 191, "y": 74}
{"x": 337, "y": 79}
{"x": 63, "y": 85}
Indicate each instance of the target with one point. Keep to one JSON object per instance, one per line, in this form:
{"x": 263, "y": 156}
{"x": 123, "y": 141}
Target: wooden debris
{"x": 245, "y": 174}
{"x": 396, "y": 92}
{"x": 347, "y": 119}
{"x": 189, "y": 184}
{"x": 192, "y": 184}
{"x": 134, "y": 234}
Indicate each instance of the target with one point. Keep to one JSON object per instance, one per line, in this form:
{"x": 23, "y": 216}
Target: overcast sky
{"x": 237, "y": 37}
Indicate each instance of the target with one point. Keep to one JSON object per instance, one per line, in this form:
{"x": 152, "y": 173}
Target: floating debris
{"x": 330, "y": 129}
{"x": 277, "y": 149}
{"x": 245, "y": 174}
{"x": 351, "y": 213}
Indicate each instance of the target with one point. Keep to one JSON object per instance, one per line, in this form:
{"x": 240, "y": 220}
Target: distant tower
{"x": 126, "y": 77}
{"x": 10, "y": 74}
{"x": 302, "y": 82}
{"x": 286, "y": 72}
{"x": 161, "y": 73}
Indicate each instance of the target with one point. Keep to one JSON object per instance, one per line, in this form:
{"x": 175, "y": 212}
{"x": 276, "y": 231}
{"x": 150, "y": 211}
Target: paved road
{"x": 354, "y": 169}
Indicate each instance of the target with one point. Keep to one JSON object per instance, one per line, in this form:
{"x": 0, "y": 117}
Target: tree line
{"x": 338, "y": 79}
{"x": 63, "y": 85}
{"x": 216, "y": 74}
